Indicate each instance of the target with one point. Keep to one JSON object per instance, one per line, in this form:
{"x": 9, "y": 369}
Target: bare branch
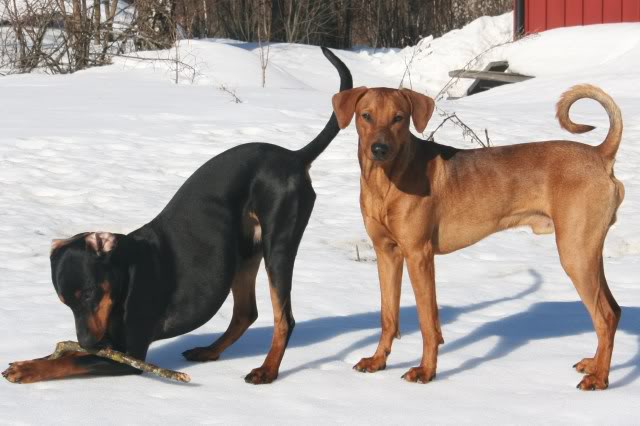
{"x": 466, "y": 130}
{"x": 69, "y": 346}
{"x": 231, "y": 92}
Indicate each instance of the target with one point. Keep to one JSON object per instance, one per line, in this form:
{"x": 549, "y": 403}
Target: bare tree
{"x": 264, "y": 34}
{"x": 154, "y": 24}
{"x": 238, "y": 18}
{"x": 81, "y": 33}
{"x": 398, "y": 23}
{"x": 63, "y": 36}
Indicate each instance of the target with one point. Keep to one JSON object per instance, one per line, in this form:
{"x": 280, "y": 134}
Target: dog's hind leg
{"x": 282, "y": 228}
{"x": 245, "y": 311}
{"x": 580, "y": 240}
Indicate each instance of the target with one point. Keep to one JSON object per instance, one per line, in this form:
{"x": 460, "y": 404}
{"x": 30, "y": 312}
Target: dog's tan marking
{"x": 98, "y": 321}
{"x": 268, "y": 372}
{"x": 255, "y": 228}
{"x": 38, "y": 370}
{"x": 245, "y": 311}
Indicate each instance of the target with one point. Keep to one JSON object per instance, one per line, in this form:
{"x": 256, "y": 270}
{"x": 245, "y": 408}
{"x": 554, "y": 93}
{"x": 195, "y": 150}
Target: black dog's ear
{"x": 57, "y": 243}
{"x": 101, "y": 242}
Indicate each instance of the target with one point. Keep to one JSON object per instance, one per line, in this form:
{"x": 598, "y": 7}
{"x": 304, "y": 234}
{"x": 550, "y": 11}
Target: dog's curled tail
{"x": 609, "y": 147}
{"x": 314, "y": 148}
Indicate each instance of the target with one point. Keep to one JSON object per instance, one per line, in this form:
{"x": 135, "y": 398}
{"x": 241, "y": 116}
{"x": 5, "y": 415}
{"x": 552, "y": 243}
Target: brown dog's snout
{"x": 379, "y": 151}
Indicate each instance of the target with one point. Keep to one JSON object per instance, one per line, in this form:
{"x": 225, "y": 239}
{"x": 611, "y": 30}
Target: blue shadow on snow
{"x": 544, "y": 320}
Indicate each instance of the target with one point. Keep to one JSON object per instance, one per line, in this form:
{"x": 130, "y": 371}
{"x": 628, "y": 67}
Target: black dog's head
{"x": 89, "y": 281}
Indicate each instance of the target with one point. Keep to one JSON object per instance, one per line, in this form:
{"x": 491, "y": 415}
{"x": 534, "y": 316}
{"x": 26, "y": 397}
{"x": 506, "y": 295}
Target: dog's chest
{"x": 402, "y": 217}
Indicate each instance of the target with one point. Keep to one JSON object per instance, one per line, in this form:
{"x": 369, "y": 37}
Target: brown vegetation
{"x": 62, "y": 36}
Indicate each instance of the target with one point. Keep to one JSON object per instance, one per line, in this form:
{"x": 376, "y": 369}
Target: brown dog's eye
{"x": 397, "y": 118}
{"x": 366, "y": 117}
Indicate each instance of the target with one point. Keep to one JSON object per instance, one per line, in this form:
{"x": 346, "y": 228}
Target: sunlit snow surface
{"x": 105, "y": 149}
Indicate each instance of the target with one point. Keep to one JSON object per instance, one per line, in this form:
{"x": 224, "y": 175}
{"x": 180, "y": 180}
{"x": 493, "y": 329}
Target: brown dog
{"x": 419, "y": 199}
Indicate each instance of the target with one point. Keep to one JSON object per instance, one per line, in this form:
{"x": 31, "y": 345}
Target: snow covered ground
{"x": 105, "y": 149}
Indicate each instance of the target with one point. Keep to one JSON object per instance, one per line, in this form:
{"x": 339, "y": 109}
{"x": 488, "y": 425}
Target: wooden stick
{"x": 69, "y": 346}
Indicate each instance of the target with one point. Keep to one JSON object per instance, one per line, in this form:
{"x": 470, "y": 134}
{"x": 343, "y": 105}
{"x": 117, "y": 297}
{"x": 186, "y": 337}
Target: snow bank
{"x": 577, "y": 50}
{"x": 434, "y": 58}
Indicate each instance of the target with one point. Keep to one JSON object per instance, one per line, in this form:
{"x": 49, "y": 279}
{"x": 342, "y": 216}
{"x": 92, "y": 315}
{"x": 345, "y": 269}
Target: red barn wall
{"x": 540, "y": 15}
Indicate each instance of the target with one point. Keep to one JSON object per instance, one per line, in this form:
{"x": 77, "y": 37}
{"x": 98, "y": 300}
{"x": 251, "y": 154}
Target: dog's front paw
{"x": 586, "y": 366}
{"x": 419, "y": 375}
{"x": 261, "y": 376}
{"x": 593, "y": 382}
{"x": 371, "y": 365}
{"x": 24, "y": 372}
{"x": 201, "y": 354}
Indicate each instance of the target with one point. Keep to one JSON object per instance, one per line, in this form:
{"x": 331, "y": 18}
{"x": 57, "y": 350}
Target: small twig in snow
{"x": 236, "y": 99}
{"x": 69, "y": 346}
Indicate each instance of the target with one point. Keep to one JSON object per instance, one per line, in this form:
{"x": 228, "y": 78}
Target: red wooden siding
{"x": 540, "y": 15}
{"x": 555, "y": 14}
{"x": 631, "y": 10}
{"x": 592, "y": 12}
{"x": 574, "y": 10}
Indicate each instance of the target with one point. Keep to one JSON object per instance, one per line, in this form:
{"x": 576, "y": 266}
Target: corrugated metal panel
{"x": 536, "y": 16}
{"x": 555, "y": 14}
{"x": 631, "y": 10}
{"x": 573, "y": 12}
{"x": 612, "y": 11}
{"x": 540, "y": 15}
{"x": 592, "y": 12}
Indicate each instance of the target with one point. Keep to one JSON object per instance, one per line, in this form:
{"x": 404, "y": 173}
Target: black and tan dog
{"x": 420, "y": 198}
{"x": 173, "y": 274}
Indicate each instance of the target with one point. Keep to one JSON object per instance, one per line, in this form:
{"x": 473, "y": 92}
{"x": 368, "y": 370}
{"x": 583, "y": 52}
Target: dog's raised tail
{"x": 314, "y": 148}
{"x": 609, "y": 147}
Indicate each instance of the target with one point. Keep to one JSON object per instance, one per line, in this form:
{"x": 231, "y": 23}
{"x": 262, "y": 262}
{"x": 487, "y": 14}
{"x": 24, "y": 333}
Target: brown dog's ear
{"x": 344, "y": 104}
{"x": 101, "y": 242}
{"x": 422, "y": 108}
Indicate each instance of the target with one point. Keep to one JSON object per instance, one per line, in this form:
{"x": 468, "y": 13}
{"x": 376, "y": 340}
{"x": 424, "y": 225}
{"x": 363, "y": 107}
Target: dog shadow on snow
{"x": 543, "y": 320}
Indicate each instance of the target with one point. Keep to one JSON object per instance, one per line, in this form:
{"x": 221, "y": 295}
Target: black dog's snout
{"x": 87, "y": 341}
{"x": 379, "y": 150}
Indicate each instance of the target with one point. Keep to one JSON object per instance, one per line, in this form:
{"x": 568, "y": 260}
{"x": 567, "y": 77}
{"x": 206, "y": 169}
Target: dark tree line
{"x": 64, "y": 36}
{"x": 334, "y": 23}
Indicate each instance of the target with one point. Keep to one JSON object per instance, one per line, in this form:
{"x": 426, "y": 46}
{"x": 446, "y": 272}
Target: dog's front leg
{"x": 390, "y": 274}
{"x": 422, "y": 274}
{"x": 69, "y": 365}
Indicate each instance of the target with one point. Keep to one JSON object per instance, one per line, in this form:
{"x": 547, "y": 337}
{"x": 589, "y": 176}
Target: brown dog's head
{"x": 382, "y": 118}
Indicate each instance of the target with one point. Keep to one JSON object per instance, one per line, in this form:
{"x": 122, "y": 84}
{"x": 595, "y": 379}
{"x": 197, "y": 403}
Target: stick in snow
{"x": 69, "y": 346}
